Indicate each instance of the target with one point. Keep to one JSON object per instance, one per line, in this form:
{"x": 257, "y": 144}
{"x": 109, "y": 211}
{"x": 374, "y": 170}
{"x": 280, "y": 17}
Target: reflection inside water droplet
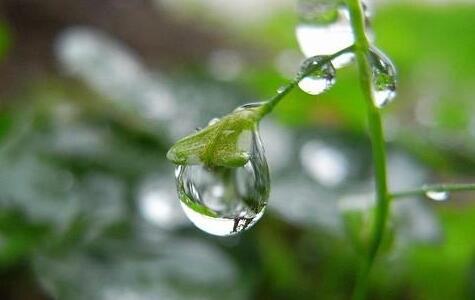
{"x": 319, "y": 80}
{"x": 226, "y": 201}
{"x": 437, "y": 195}
{"x": 383, "y": 79}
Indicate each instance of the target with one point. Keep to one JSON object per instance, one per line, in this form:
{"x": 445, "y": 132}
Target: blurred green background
{"x": 92, "y": 94}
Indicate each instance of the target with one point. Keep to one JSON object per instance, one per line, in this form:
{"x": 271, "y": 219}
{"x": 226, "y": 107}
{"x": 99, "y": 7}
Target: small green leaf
{"x": 221, "y": 144}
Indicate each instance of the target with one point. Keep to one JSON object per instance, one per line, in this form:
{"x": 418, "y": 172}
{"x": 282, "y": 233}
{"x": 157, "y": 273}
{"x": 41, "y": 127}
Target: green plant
{"x": 221, "y": 158}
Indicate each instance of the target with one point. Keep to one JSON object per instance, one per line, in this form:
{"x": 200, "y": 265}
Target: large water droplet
{"x": 319, "y": 80}
{"x": 437, "y": 195}
{"x": 325, "y": 29}
{"x": 383, "y": 79}
{"x": 226, "y": 201}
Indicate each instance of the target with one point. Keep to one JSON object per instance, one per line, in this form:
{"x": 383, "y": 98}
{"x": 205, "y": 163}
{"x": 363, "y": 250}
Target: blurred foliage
{"x": 73, "y": 163}
{"x": 5, "y": 39}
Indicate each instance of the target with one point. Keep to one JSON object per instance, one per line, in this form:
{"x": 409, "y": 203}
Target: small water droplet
{"x": 437, "y": 195}
{"x": 325, "y": 28}
{"x": 319, "y": 80}
{"x": 249, "y": 106}
{"x": 213, "y": 121}
{"x": 281, "y": 89}
{"x": 383, "y": 79}
{"x": 225, "y": 201}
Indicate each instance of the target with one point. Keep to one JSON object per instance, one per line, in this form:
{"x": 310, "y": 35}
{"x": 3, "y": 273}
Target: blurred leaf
{"x": 441, "y": 272}
{"x": 5, "y": 39}
{"x": 18, "y": 237}
{"x": 6, "y": 122}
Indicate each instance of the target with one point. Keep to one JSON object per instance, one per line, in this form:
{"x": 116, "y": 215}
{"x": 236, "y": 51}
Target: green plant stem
{"x": 286, "y": 89}
{"x": 442, "y": 187}
{"x": 377, "y": 146}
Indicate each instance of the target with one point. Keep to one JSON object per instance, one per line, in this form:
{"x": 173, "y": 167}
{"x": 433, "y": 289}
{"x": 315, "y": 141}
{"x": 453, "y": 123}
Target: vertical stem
{"x": 377, "y": 147}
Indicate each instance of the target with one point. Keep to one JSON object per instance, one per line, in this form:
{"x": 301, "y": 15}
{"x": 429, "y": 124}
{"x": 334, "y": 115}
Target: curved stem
{"x": 286, "y": 89}
{"x": 441, "y": 187}
{"x": 377, "y": 146}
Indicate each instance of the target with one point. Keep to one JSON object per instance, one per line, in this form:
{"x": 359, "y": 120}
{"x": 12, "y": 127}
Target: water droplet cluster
{"x": 324, "y": 30}
{"x": 223, "y": 200}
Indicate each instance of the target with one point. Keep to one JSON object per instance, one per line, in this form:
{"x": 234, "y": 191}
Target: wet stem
{"x": 383, "y": 197}
{"x": 361, "y": 48}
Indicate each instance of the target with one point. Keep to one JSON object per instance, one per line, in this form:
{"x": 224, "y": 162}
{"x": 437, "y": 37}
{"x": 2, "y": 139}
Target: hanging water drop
{"x": 383, "y": 81}
{"x": 319, "y": 80}
{"x": 325, "y": 29}
{"x": 437, "y": 195}
{"x": 225, "y": 201}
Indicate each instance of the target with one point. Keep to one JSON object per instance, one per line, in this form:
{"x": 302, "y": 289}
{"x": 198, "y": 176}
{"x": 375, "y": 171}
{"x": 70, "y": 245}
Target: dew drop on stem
{"x": 383, "y": 77}
{"x": 437, "y": 195}
{"x": 225, "y": 201}
{"x": 281, "y": 89}
{"x": 320, "y": 79}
